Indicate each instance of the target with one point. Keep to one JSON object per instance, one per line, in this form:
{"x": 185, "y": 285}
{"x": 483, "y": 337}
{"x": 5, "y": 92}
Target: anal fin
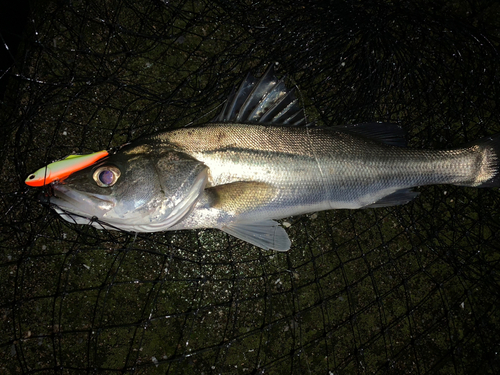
{"x": 401, "y": 196}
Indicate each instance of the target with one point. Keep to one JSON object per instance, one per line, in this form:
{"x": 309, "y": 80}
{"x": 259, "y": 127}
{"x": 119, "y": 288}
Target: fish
{"x": 256, "y": 162}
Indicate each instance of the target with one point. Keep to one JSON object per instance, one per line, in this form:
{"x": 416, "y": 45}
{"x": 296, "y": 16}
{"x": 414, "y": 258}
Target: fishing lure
{"x": 61, "y": 169}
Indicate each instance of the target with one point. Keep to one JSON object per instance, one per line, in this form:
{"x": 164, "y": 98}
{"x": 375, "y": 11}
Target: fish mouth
{"x": 74, "y": 205}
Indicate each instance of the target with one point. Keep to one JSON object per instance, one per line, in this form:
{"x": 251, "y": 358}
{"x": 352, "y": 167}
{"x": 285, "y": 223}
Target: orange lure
{"x": 61, "y": 169}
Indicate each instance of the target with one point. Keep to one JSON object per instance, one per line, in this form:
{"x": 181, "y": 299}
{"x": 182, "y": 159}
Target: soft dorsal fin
{"x": 386, "y": 132}
{"x": 263, "y": 101}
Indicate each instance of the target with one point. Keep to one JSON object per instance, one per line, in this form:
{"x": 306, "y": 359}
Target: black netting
{"x": 408, "y": 289}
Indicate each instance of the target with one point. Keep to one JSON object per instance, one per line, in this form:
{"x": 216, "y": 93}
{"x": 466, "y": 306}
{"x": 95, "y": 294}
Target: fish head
{"x": 136, "y": 189}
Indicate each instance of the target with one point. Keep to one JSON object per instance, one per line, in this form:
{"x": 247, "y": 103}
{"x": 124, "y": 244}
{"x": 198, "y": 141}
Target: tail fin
{"x": 489, "y": 173}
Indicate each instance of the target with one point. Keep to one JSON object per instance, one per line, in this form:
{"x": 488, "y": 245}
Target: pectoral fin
{"x": 267, "y": 235}
{"x": 239, "y": 198}
{"x": 242, "y": 198}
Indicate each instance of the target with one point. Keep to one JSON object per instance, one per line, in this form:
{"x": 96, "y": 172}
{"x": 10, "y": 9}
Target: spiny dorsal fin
{"x": 386, "y": 132}
{"x": 263, "y": 101}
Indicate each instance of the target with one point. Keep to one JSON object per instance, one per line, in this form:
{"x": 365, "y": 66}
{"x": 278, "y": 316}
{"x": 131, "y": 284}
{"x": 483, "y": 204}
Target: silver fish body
{"x": 291, "y": 171}
{"x": 239, "y": 177}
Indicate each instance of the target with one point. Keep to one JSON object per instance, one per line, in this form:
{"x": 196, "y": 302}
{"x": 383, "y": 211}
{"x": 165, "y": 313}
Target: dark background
{"x": 409, "y": 289}
{"x": 13, "y": 18}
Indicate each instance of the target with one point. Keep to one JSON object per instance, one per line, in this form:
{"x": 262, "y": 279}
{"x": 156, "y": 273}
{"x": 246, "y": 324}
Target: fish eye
{"x": 106, "y": 176}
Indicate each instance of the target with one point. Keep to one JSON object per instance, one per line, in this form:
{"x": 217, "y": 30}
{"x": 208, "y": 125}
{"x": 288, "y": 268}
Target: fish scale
{"x": 336, "y": 169}
{"x": 259, "y": 162}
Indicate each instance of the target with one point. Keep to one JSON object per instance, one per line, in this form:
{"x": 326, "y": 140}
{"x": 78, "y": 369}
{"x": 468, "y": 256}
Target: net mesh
{"x": 407, "y": 289}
